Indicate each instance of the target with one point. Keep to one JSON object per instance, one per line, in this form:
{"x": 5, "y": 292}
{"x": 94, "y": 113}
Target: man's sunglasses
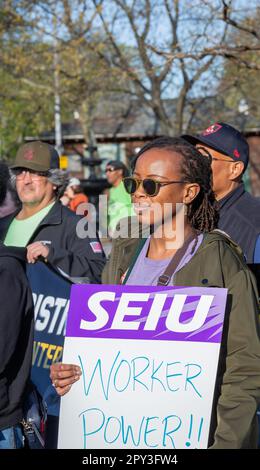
{"x": 35, "y": 175}
{"x": 110, "y": 170}
{"x": 151, "y": 187}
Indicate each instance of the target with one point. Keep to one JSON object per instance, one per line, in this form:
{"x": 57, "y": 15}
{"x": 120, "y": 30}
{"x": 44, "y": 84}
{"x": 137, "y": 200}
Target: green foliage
{"x": 240, "y": 85}
{"x": 27, "y": 59}
{"x": 145, "y": 50}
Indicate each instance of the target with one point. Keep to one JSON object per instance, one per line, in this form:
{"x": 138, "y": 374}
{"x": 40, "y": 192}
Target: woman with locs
{"x": 169, "y": 170}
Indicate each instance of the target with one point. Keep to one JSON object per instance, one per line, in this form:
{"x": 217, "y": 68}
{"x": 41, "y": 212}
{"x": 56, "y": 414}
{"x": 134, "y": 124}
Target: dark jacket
{"x": 218, "y": 263}
{"x": 70, "y": 255}
{"x": 16, "y": 334}
{"x": 240, "y": 219}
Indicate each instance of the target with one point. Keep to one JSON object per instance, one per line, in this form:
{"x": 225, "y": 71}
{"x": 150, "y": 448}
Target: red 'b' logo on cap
{"x": 212, "y": 129}
{"x": 28, "y": 155}
{"x": 236, "y": 153}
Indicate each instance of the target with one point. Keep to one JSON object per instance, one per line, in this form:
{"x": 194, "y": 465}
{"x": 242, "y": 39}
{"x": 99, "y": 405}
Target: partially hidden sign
{"x": 51, "y": 294}
{"x": 149, "y": 358}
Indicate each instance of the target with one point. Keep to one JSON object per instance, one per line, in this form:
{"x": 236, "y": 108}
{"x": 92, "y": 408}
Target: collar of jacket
{"x": 219, "y": 235}
{"x": 228, "y": 200}
{"x": 125, "y": 250}
{"x": 54, "y": 217}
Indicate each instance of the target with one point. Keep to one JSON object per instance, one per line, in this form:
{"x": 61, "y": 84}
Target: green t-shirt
{"x": 119, "y": 205}
{"x": 20, "y": 231}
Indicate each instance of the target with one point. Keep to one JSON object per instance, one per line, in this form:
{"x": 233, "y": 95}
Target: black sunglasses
{"x": 110, "y": 170}
{"x": 151, "y": 187}
{"x": 35, "y": 175}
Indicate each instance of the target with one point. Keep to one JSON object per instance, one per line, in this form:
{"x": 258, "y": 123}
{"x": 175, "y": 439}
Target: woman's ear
{"x": 190, "y": 192}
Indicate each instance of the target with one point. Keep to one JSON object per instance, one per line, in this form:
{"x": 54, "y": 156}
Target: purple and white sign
{"x": 149, "y": 357}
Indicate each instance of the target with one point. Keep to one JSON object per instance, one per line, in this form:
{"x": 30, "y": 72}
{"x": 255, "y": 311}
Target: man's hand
{"x": 63, "y": 376}
{"x": 35, "y": 250}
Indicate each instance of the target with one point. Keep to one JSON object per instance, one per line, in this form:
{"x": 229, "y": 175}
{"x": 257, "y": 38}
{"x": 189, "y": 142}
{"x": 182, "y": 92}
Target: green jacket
{"x": 218, "y": 263}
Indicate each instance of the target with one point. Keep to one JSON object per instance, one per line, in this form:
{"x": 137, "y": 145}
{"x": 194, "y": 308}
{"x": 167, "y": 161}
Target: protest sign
{"x": 51, "y": 295}
{"x": 149, "y": 358}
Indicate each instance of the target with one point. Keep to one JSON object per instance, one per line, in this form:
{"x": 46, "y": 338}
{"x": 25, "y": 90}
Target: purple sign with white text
{"x": 147, "y": 312}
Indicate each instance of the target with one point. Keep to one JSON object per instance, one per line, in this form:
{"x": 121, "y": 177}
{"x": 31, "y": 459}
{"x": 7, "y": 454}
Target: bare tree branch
{"x": 241, "y": 27}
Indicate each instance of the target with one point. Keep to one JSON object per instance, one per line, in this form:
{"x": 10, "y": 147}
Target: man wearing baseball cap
{"x": 239, "y": 211}
{"x": 42, "y": 224}
{"x": 48, "y": 229}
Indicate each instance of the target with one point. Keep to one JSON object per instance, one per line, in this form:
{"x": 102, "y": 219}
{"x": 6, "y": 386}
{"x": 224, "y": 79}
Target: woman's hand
{"x": 63, "y": 376}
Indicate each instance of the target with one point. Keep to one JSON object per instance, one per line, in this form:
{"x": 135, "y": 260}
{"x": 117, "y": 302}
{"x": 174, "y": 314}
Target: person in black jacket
{"x": 239, "y": 211}
{"x": 50, "y": 231}
{"x": 16, "y": 340}
{"x": 9, "y": 201}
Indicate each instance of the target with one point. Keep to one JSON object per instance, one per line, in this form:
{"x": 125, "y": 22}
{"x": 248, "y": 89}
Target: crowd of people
{"x": 221, "y": 236}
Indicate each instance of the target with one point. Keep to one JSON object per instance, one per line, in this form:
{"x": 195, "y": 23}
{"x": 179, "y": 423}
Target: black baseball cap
{"x": 37, "y": 156}
{"x": 224, "y": 139}
{"x": 118, "y": 165}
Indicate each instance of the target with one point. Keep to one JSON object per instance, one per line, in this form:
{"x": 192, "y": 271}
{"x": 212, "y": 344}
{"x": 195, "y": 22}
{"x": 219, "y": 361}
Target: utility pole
{"x": 57, "y": 100}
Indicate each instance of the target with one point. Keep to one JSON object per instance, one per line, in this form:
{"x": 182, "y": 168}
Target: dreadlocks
{"x": 202, "y": 213}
